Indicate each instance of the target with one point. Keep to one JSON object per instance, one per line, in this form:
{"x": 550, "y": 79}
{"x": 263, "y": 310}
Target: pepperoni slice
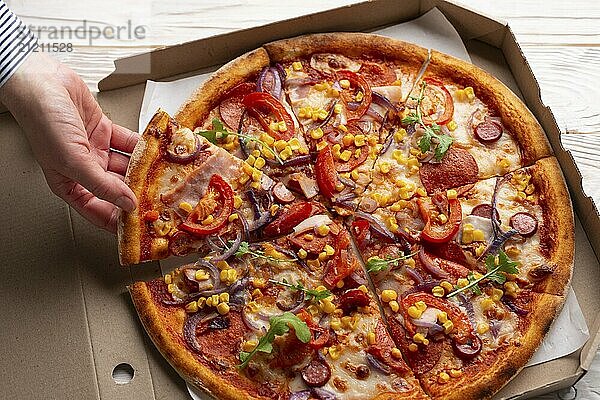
{"x": 525, "y": 223}
{"x": 483, "y": 210}
{"x": 457, "y": 168}
{"x": 351, "y": 299}
{"x": 488, "y": 131}
{"x": 316, "y": 373}
{"x": 231, "y": 109}
{"x": 181, "y": 244}
{"x": 282, "y": 193}
{"x": 377, "y": 74}
{"x": 422, "y": 360}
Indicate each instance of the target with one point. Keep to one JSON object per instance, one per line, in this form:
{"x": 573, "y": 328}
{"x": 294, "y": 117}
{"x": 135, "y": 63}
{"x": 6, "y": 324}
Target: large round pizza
{"x": 370, "y": 220}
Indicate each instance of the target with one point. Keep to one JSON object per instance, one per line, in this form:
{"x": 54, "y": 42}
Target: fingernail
{"x": 125, "y": 203}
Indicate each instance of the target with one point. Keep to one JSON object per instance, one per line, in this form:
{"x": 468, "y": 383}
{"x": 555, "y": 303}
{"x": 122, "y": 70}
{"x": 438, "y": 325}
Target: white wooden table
{"x": 561, "y": 40}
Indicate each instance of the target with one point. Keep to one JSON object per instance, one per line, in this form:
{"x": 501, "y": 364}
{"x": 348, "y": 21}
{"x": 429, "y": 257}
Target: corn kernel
{"x": 438, "y": 291}
{"x": 237, "y": 201}
{"x": 478, "y": 235}
{"x": 443, "y": 377}
{"x": 322, "y": 230}
{"x": 168, "y": 279}
{"x": 335, "y": 352}
{"x": 394, "y": 305}
{"x": 371, "y": 338}
{"x": 418, "y": 338}
{"x": 483, "y": 327}
{"x": 448, "y": 326}
{"x": 302, "y": 254}
{"x": 223, "y": 308}
{"x": 442, "y": 218}
{"x": 462, "y": 282}
{"x": 252, "y": 305}
{"x": 314, "y": 264}
{"x": 201, "y": 302}
{"x": 414, "y": 312}
{"x": 442, "y": 316}
{"x": 297, "y": 66}
{"x": 487, "y": 304}
{"x": 479, "y": 250}
{"x": 413, "y": 347}
{"x": 421, "y": 306}
{"x": 313, "y": 309}
{"x": 504, "y": 164}
{"x": 191, "y": 307}
{"x": 256, "y": 293}
{"x": 251, "y": 159}
{"x": 201, "y": 275}
{"x": 233, "y": 217}
{"x": 447, "y": 286}
{"x": 345, "y": 83}
{"x": 208, "y": 220}
{"x": 388, "y": 295}
{"x": 451, "y": 194}
{"x": 384, "y": 167}
{"x": 359, "y": 96}
{"x": 396, "y": 353}
{"x": 497, "y": 294}
{"x": 224, "y": 297}
{"x": 452, "y": 125}
{"x": 337, "y": 108}
{"x": 249, "y": 345}
{"x": 336, "y": 325}
{"x": 455, "y": 373}
{"x": 340, "y": 284}
{"x": 470, "y": 93}
{"x": 329, "y": 250}
{"x": 309, "y": 237}
{"x": 185, "y": 206}
{"x": 323, "y": 256}
{"x": 222, "y": 265}
{"x": 316, "y": 133}
{"x": 345, "y": 155}
{"x": 511, "y": 288}
{"x": 327, "y": 306}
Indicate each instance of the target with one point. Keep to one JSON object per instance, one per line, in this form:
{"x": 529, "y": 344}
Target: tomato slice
{"x": 377, "y": 74}
{"x": 353, "y": 162}
{"x": 288, "y": 219}
{"x": 357, "y": 84}
{"x": 231, "y": 107}
{"x": 361, "y": 228}
{"x": 319, "y": 335}
{"x": 218, "y": 197}
{"x": 265, "y": 107}
{"x": 382, "y": 349}
{"x": 342, "y": 264}
{"x": 453, "y": 269}
{"x": 435, "y": 232}
{"x": 325, "y": 172}
{"x": 436, "y": 95}
{"x": 462, "y": 331}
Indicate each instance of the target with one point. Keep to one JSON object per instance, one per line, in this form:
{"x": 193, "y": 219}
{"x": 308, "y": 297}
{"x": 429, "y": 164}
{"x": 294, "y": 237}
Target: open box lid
{"x": 79, "y": 314}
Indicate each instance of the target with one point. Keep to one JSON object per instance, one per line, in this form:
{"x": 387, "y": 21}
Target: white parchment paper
{"x": 432, "y": 30}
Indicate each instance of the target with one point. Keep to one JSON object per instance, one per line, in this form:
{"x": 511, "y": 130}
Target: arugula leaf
{"x": 495, "y": 273}
{"x": 430, "y": 132}
{"x": 312, "y": 294}
{"x": 377, "y": 264}
{"x": 245, "y": 249}
{"x": 219, "y": 132}
{"x": 279, "y": 325}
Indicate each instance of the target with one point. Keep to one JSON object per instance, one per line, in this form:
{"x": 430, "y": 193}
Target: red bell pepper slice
{"x": 325, "y": 172}
{"x": 361, "y": 229}
{"x": 342, "y": 264}
{"x": 435, "y": 232}
{"x": 462, "y": 330}
{"x": 319, "y": 335}
{"x": 262, "y": 105}
{"x": 357, "y": 83}
{"x": 218, "y": 191}
{"x": 288, "y": 219}
{"x": 436, "y": 85}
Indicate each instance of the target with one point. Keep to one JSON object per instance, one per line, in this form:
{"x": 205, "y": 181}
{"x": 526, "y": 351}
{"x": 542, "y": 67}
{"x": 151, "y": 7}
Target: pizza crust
{"x": 352, "y": 43}
{"x": 507, "y": 365}
{"x": 558, "y": 230}
{"x": 180, "y": 358}
{"x": 209, "y": 94}
{"x": 515, "y": 115}
{"x": 129, "y": 226}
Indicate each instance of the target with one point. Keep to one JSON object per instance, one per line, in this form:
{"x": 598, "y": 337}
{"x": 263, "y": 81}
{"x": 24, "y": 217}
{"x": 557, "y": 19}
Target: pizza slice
{"x": 264, "y": 323}
{"x": 455, "y": 130}
{"x": 194, "y": 196}
{"x": 346, "y": 103}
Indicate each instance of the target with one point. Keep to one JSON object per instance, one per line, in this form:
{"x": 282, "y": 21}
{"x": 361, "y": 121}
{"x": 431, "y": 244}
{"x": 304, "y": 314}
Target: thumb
{"x": 105, "y": 185}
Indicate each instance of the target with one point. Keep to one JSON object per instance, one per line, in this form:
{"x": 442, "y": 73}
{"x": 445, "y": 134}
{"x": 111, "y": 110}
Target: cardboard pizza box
{"x": 68, "y": 327}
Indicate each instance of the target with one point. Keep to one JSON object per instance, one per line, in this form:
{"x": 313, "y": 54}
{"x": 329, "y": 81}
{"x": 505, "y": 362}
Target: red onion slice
{"x": 270, "y": 81}
{"x": 185, "y": 158}
{"x": 378, "y": 365}
{"x": 190, "y": 326}
{"x": 430, "y": 265}
{"x": 469, "y": 349}
{"x": 249, "y": 322}
{"x": 382, "y": 101}
{"x": 414, "y": 275}
{"x": 242, "y": 233}
{"x": 293, "y": 307}
{"x": 376, "y": 225}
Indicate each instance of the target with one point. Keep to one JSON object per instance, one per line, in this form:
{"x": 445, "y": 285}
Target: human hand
{"x": 71, "y": 139}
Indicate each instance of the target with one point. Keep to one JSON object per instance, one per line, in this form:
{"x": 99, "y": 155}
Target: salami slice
{"x": 457, "y": 168}
{"x": 483, "y": 210}
{"x": 316, "y": 373}
{"x": 231, "y": 108}
{"x": 488, "y": 131}
{"x": 525, "y": 223}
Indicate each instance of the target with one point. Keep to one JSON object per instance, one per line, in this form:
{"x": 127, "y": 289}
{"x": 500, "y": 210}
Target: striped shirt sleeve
{"x": 16, "y": 43}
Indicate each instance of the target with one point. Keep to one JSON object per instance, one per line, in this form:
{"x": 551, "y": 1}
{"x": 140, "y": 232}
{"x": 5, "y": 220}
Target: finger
{"x": 99, "y": 212}
{"x": 117, "y": 163}
{"x": 123, "y": 139}
{"x": 103, "y": 184}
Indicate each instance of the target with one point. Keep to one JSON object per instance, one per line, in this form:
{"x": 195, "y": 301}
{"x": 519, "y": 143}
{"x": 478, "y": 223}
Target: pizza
{"x": 364, "y": 218}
